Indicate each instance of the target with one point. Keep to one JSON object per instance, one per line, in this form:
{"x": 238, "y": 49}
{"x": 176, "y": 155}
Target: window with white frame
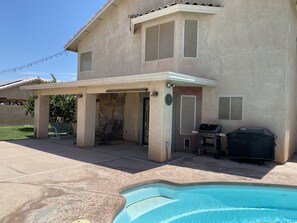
{"x": 191, "y": 38}
{"x": 230, "y": 108}
{"x": 85, "y": 61}
{"x": 187, "y": 114}
{"x": 159, "y": 41}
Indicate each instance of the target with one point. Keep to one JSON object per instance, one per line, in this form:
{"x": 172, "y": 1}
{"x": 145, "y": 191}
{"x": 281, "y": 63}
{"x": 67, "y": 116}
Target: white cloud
{"x": 32, "y": 73}
{"x": 66, "y": 76}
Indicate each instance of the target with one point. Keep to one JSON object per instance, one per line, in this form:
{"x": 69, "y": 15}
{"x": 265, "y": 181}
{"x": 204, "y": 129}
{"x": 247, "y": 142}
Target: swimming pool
{"x": 162, "y": 203}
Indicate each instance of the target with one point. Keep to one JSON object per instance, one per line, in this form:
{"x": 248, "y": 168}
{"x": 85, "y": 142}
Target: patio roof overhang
{"x": 131, "y": 83}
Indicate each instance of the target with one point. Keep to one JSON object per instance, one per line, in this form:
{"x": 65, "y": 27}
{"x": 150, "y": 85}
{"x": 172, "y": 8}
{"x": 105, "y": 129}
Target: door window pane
{"x": 188, "y": 114}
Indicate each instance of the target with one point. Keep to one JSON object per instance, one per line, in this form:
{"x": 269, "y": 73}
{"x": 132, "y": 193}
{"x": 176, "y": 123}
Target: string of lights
{"x": 35, "y": 63}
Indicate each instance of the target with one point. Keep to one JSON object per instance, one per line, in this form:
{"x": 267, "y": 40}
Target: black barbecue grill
{"x": 209, "y": 139}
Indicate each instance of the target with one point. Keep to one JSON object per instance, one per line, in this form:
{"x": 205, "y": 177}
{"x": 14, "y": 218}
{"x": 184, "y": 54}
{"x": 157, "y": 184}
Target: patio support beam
{"x": 41, "y": 116}
{"x": 86, "y": 119}
{"x": 160, "y": 122}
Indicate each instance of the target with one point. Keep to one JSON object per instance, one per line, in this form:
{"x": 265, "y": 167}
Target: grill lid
{"x": 210, "y": 128}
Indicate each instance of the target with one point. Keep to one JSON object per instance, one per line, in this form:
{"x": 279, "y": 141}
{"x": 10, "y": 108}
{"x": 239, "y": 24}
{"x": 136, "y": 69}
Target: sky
{"x": 31, "y": 30}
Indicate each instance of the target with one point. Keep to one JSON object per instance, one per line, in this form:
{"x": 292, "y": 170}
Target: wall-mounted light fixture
{"x": 79, "y": 95}
{"x": 35, "y": 96}
{"x": 169, "y": 85}
{"x": 154, "y": 94}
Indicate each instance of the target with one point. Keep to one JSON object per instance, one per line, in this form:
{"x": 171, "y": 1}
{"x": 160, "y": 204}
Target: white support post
{"x": 41, "y": 116}
{"x": 160, "y": 123}
{"x": 86, "y": 119}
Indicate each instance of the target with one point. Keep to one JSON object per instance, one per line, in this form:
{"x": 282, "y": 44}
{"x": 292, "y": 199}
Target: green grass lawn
{"x": 15, "y": 132}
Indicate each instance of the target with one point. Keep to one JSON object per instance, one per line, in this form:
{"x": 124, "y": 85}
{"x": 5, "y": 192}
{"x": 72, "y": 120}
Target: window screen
{"x": 86, "y": 61}
{"x": 166, "y": 40}
{"x": 152, "y": 43}
{"x": 236, "y": 108}
{"x": 188, "y": 114}
{"x": 191, "y": 38}
{"x": 230, "y": 108}
{"x": 224, "y": 107}
{"x": 159, "y": 42}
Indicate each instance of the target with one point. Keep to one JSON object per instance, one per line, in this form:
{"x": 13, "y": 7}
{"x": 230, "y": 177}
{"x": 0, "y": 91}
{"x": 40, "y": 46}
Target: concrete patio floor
{"x": 55, "y": 181}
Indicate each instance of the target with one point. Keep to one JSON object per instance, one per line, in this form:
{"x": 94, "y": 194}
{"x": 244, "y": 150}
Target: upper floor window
{"x": 159, "y": 41}
{"x": 230, "y": 108}
{"x": 191, "y": 38}
{"x": 86, "y": 61}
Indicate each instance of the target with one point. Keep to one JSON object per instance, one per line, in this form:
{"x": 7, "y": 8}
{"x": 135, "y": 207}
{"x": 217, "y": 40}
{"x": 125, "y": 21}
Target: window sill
{"x": 154, "y": 61}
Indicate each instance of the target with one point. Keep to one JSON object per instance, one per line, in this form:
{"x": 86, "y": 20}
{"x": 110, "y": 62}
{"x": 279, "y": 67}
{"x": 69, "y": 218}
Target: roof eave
{"x": 23, "y": 82}
{"x": 72, "y": 44}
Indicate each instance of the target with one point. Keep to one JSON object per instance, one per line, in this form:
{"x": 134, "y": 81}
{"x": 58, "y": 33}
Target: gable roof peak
{"x": 72, "y": 44}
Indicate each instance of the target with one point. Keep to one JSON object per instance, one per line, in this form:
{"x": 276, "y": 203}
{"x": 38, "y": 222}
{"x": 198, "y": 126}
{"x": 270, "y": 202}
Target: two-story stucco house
{"x": 173, "y": 65}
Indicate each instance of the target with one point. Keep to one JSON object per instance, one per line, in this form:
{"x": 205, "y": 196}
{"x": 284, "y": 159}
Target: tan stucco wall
{"x": 14, "y": 115}
{"x": 245, "y": 48}
{"x": 291, "y": 113}
{"x": 131, "y": 117}
{"x": 249, "y": 59}
{"x": 112, "y": 41}
{"x": 15, "y": 93}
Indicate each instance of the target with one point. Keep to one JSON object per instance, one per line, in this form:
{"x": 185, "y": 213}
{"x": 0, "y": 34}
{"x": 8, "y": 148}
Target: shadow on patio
{"x": 127, "y": 157}
{"x": 226, "y": 166}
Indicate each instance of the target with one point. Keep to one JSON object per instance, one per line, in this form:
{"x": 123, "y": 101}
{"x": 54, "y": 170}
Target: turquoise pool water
{"x": 161, "y": 203}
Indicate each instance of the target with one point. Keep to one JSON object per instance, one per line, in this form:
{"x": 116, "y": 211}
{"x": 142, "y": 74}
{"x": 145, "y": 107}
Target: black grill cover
{"x": 252, "y": 143}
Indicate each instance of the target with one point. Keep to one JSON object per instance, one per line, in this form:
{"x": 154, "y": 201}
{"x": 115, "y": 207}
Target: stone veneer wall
{"x": 110, "y": 109}
{"x": 14, "y": 115}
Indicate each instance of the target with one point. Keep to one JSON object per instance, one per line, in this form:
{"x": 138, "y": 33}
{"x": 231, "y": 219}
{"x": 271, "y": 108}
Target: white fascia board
{"x": 175, "y": 9}
{"x": 140, "y": 78}
{"x": 101, "y": 81}
{"x": 188, "y": 79}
